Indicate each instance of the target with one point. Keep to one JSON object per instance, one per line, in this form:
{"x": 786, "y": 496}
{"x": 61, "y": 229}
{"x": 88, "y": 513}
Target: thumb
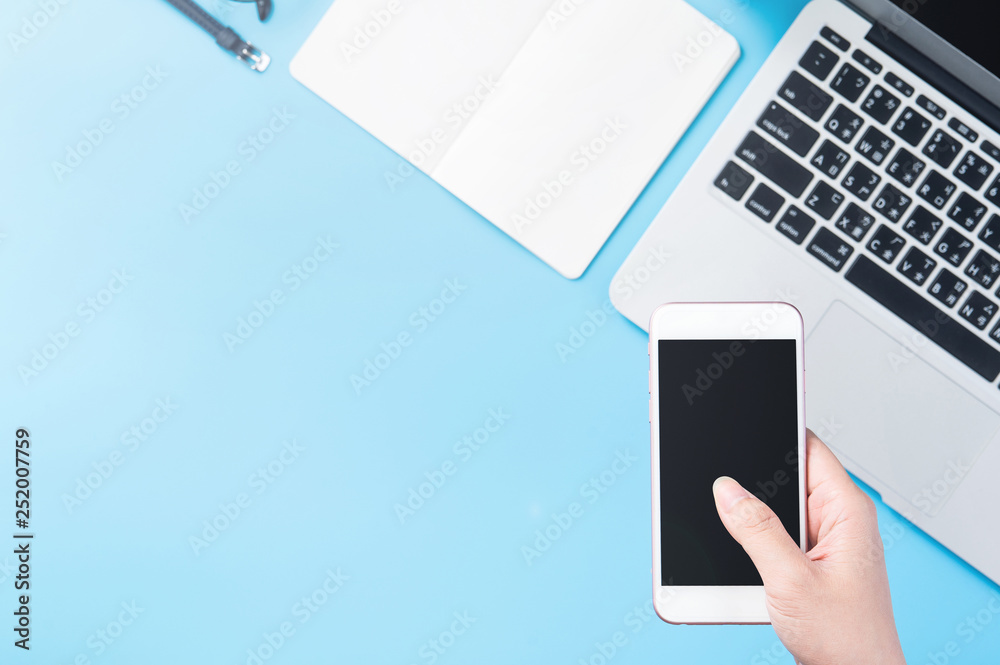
{"x": 755, "y": 526}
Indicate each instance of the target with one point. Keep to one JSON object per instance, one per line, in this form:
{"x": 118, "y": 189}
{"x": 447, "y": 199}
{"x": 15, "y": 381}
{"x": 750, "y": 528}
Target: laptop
{"x": 858, "y": 177}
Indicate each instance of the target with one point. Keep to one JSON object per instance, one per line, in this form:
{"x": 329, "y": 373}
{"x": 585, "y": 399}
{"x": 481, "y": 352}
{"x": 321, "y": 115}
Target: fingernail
{"x": 728, "y": 492}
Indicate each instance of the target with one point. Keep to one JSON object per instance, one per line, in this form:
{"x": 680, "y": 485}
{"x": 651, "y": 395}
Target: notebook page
{"x": 413, "y": 72}
{"x": 588, "y": 110}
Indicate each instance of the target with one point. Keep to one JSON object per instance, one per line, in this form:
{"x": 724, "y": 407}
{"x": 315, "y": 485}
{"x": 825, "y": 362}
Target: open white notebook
{"x": 547, "y": 118}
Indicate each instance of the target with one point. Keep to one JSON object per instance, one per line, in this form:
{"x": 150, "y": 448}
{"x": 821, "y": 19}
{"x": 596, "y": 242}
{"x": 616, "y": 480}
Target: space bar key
{"x": 935, "y": 324}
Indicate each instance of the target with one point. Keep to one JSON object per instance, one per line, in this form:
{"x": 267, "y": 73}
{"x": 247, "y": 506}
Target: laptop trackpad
{"x": 890, "y": 414}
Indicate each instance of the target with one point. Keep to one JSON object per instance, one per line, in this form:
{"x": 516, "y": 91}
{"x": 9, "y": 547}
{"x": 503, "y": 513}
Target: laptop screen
{"x": 960, "y": 23}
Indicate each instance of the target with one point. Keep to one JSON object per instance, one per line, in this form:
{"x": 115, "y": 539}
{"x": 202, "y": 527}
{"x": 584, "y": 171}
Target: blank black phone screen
{"x": 727, "y": 408}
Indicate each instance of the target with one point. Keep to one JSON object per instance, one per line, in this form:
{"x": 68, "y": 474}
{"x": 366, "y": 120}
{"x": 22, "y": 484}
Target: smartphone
{"x": 727, "y": 398}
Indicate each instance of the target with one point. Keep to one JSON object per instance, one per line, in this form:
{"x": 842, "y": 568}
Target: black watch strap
{"x": 224, "y": 36}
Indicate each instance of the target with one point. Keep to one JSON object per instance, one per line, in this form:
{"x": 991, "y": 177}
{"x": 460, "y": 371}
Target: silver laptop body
{"x": 858, "y": 177}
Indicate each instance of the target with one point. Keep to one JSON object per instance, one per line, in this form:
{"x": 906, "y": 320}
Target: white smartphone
{"x": 726, "y": 386}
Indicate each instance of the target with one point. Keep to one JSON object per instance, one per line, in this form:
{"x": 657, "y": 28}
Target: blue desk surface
{"x": 210, "y": 486}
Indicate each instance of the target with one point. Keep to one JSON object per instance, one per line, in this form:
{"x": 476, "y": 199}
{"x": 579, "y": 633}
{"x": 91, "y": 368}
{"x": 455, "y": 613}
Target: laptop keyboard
{"x": 877, "y": 183}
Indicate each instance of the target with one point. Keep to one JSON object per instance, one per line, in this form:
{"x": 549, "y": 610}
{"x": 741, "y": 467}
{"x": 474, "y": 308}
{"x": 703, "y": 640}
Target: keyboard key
{"x": 886, "y": 243}
{"x": 991, "y": 233}
{"x": 936, "y": 189}
{"x": 913, "y": 308}
{"x": 788, "y": 129}
{"x": 835, "y": 39}
{"x": 830, "y": 249}
{"x": 880, "y": 104}
{"x": 849, "y": 82}
{"x": 953, "y": 246}
{"x": 978, "y": 310}
{"x": 983, "y": 269}
{"x": 967, "y": 211}
{"x": 922, "y": 225}
{"x": 781, "y": 169}
{"x": 911, "y": 126}
{"x": 765, "y": 202}
{"x": 854, "y": 222}
{"x": 875, "y": 145}
{"x": 892, "y": 203}
{"x": 818, "y": 61}
{"x": 916, "y": 266}
{"x": 861, "y": 181}
{"x": 993, "y": 192}
{"x": 899, "y": 84}
{"x": 844, "y": 123}
{"x": 734, "y": 180}
{"x": 991, "y": 150}
{"x": 905, "y": 167}
{"x": 795, "y": 224}
{"x": 867, "y": 61}
{"x": 947, "y": 288}
{"x": 830, "y": 159}
{"x": 973, "y": 170}
{"x": 824, "y": 199}
{"x": 805, "y": 96}
{"x": 931, "y": 107}
{"x": 942, "y": 148}
{"x": 963, "y": 130}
